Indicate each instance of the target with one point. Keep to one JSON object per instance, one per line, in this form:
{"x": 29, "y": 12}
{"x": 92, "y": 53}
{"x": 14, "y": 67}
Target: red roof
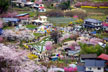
{"x": 105, "y": 24}
{"x": 103, "y": 56}
{"x": 23, "y": 17}
{"x": 41, "y": 7}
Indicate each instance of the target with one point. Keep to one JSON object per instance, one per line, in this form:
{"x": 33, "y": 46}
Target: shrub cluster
{"x": 79, "y": 12}
{"x": 55, "y": 13}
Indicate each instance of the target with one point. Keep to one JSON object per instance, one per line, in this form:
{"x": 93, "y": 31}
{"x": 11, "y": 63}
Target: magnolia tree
{"x": 18, "y": 35}
{"x": 12, "y": 60}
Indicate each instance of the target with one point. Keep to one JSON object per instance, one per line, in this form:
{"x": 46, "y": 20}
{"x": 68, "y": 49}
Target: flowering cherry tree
{"x": 13, "y": 60}
{"x": 9, "y": 14}
{"x": 20, "y": 35}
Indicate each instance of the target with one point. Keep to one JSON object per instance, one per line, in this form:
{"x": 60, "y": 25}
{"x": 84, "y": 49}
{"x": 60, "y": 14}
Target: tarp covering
{"x": 23, "y": 14}
{"x": 94, "y": 32}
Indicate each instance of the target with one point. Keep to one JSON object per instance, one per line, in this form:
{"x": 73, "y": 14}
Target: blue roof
{"x": 23, "y": 14}
{"x": 94, "y": 63}
{"x": 92, "y": 20}
{"x": 81, "y": 68}
{"x": 89, "y": 25}
{"x": 10, "y": 19}
{"x": 94, "y": 32}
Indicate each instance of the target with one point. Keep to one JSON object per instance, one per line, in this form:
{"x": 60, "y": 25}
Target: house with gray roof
{"x": 92, "y": 23}
{"x": 83, "y": 57}
{"x": 92, "y": 66}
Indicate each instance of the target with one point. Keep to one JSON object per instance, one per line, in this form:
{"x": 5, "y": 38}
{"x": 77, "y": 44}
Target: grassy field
{"x": 7, "y": 28}
{"x": 97, "y": 13}
{"x": 96, "y": 10}
{"x": 31, "y": 26}
{"x": 101, "y": 18}
{"x": 37, "y": 34}
{"x": 60, "y": 21}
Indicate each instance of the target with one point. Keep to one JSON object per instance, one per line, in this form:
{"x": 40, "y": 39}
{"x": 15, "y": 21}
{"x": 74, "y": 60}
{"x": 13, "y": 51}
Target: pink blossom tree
{"x": 1, "y": 24}
{"x": 16, "y": 61}
{"x": 9, "y": 14}
{"x": 1, "y": 39}
{"x": 48, "y": 45}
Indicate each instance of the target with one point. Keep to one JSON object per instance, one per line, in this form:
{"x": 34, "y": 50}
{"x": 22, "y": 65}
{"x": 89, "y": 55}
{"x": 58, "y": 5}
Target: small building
{"x": 91, "y": 66}
{"x": 105, "y": 25}
{"x": 11, "y": 21}
{"x": 83, "y": 57}
{"x": 24, "y": 18}
{"x": 92, "y": 23}
{"x": 41, "y": 19}
{"x": 94, "y": 65}
{"x": 20, "y": 3}
{"x": 41, "y": 8}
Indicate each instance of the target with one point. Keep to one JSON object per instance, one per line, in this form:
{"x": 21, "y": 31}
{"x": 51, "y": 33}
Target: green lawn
{"x": 32, "y": 14}
{"x": 31, "y": 26}
{"x": 102, "y": 35}
{"x": 37, "y": 34}
{"x": 7, "y": 28}
{"x": 68, "y": 39}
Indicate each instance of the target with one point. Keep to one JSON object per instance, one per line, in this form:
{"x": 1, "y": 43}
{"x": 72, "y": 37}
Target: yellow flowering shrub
{"x": 32, "y": 56}
{"x": 26, "y": 46}
{"x": 103, "y": 6}
{"x": 70, "y": 22}
{"x": 79, "y": 21}
{"x": 88, "y": 7}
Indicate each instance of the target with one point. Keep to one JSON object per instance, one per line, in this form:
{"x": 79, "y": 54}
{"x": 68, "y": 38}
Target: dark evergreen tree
{"x": 4, "y": 4}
